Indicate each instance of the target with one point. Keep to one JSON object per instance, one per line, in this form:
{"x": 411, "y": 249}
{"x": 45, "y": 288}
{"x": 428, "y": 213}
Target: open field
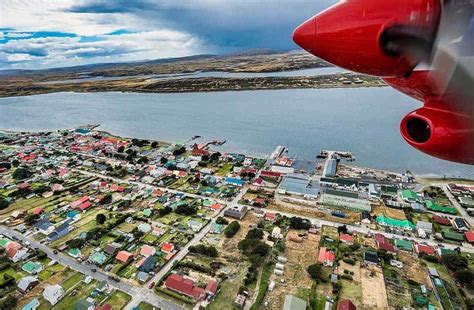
{"x": 373, "y": 288}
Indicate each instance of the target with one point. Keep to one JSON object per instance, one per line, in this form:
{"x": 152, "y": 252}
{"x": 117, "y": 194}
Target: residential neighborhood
{"x": 89, "y": 220}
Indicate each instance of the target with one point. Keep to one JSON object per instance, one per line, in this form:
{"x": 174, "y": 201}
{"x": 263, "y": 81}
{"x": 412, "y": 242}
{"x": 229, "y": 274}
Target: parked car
{"x": 151, "y": 285}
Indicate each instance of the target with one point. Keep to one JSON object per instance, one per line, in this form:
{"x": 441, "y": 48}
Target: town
{"x": 89, "y": 220}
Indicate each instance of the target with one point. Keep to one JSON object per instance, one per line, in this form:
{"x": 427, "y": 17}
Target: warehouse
{"x": 345, "y": 202}
{"x": 299, "y": 184}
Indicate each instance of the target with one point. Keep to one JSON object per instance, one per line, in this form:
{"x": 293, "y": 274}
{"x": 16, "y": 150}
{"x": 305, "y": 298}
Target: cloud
{"x": 80, "y": 31}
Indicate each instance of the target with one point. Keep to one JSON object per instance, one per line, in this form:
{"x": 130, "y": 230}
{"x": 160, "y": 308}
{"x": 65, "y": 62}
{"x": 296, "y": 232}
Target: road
{"x": 138, "y": 293}
{"x": 365, "y": 230}
{"x": 467, "y": 218}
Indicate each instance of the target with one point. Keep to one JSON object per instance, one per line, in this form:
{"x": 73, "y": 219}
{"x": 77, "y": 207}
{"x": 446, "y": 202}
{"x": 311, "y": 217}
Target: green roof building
{"x": 437, "y": 208}
{"x": 4, "y": 241}
{"x": 98, "y": 258}
{"x": 387, "y": 221}
{"x": 294, "y": 303}
{"x": 404, "y": 245}
{"x": 452, "y": 235}
{"x": 409, "y": 195}
{"x": 32, "y": 267}
{"x": 82, "y": 304}
{"x": 74, "y": 253}
{"x": 147, "y": 212}
{"x": 467, "y": 202}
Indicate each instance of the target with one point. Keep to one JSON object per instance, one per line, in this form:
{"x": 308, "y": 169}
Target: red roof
{"x": 270, "y": 174}
{"x": 325, "y": 255}
{"x": 387, "y": 247}
{"x": 199, "y": 152}
{"x": 469, "y": 236}
{"x": 167, "y": 247}
{"x": 346, "y": 304}
{"x": 104, "y": 307}
{"x": 346, "y": 238}
{"x": 441, "y": 220}
{"x": 85, "y": 206}
{"x": 157, "y": 193}
{"x": 24, "y": 186}
{"x": 37, "y": 211}
{"x": 270, "y": 216}
{"x": 425, "y": 249}
{"x": 215, "y": 206}
{"x": 123, "y": 256}
{"x": 79, "y": 202}
{"x": 117, "y": 188}
{"x": 211, "y": 287}
{"x": 147, "y": 250}
{"x": 184, "y": 286}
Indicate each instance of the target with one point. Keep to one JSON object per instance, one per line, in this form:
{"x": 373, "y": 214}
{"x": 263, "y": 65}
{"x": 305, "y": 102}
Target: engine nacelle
{"x": 444, "y": 134}
{"x": 377, "y": 37}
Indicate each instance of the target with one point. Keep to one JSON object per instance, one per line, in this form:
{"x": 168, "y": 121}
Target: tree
{"x": 8, "y": 302}
{"x": 121, "y": 149}
{"x": 254, "y": 233}
{"x": 15, "y": 163}
{"x": 215, "y": 156}
{"x": 3, "y": 203}
{"x": 454, "y": 261}
{"x": 342, "y": 229}
{"x": 163, "y": 160}
{"x": 100, "y": 218}
{"x": 154, "y": 144}
{"x": 299, "y": 223}
{"x": 465, "y": 277}
{"x": 231, "y": 229}
{"x": 185, "y": 210}
{"x": 75, "y": 243}
{"x": 314, "y": 271}
{"x": 222, "y": 221}
{"x": 31, "y": 218}
{"x": 179, "y": 151}
{"x": 107, "y": 198}
{"x": 21, "y": 173}
{"x": 164, "y": 211}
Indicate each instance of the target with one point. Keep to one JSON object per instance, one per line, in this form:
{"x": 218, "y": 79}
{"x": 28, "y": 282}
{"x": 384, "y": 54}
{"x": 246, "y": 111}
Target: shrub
{"x": 231, "y": 229}
{"x": 349, "y": 261}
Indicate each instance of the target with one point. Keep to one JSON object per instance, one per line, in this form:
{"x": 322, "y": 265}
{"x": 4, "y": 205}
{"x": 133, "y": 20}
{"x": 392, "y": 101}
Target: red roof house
{"x": 211, "y": 288}
{"x": 270, "y": 216}
{"x": 325, "y": 257}
{"x": 147, "y": 250}
{"x": 469, "y": 236}
{"x": 179, "y": 284}
{"x": 383, "y": 243}
{"x": 123, "y": 256}
{"x": 37, "y": 211}
{"x": 441, "y": 220}
{"x": 85, "y": 206}
{"x": 346, "y": 238}
{"x": 79, "y": 202}
{"x": 199, "y": 152}
{"x": 346, "y": 304}
{"x": 424, "y": 249}
{"x": 167, "y": 247}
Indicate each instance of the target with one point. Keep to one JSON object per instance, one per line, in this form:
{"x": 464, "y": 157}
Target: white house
{"x": 53, "y": 293}
{"x": 276, "y": 233}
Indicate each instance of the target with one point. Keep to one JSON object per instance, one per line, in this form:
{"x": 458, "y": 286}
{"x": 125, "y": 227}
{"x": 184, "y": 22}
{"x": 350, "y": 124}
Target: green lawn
{"x": 118, "y": 300}
{"x": 81, "y": 291}
{"x": 50, "y": 271}
{"x": 145, "y": 306}
{"x": 73, "y": 280}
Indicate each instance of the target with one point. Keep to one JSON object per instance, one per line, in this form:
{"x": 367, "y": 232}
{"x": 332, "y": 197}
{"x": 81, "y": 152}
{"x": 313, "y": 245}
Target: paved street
{"x": 467, "y": 218}
{"x": 138, "y": 293}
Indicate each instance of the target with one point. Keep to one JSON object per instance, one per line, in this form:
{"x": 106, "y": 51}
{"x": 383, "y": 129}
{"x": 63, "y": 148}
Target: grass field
{"x": 118, "y": 300}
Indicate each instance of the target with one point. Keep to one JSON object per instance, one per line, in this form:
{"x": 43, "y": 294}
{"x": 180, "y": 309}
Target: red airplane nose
{"x": 305, "y": 35}
{"x": 352, "y": 34}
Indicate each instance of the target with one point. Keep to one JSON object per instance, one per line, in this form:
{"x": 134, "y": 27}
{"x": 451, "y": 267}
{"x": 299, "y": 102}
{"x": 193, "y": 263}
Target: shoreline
{"x": 421, "y": 178}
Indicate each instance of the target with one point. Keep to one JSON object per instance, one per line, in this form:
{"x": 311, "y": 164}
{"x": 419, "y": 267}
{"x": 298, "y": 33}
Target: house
{"x": 60, "y": 231}
{"x": 123, "y": 256}
{"x": 294, "y": 303}
{"x": 83, "y": 304}
{"x": 425, "y": 226}
{"x": 98, "y": 258}
{"x": 441, "y": 220}
{"x": 346, "y": 304}
{"x": 74, "y": 216}
{"x": 185, "y": 286}
{"x": 147, "y": 264}
{"x": 387, "y": 221}
{"x": 45, "y": 227}
{"x": 17, "y": 255}
{"x": 112, "y": 248}
{"x": 449, "y": 234}
{"x": 365, "y": 217}
{"x": 276, "y": 232}
{"x": 345, "y": 238}
{"x": 53, "y": 293}
{"x": 405, "y": 245}
{"x": 144, "y": 227}
{"x": 409, "y": 196}
{"x": 26, "y": 284}
{"x": 79, "y": 202}
{"x": 211, "y": 288}
{"x": 75, "y": 253}
{"x": 235, "y": 182}
{"x": 142, "y": 276}
{"x": 371, "y": 258}
{"x": 194, "y": 225}
{"x": 433, "y": 272}
{"x": 237, "y": 212}
{"x": 157, "y": 231}
{"x": 325, "y": 257}
{"x": 240, "y": 300}
{"x": 167, "y": 247}
{"x": 469, "y": 235}
{"x": 32, "y": 267}
{"x": 460, "y": 224}
{"x": 147, "y": 250}
{"x": 424, "y": 249}
{"x": 216, "y": 228}
{"x": 383, "y": 244}
{"x": 270, "y": 216}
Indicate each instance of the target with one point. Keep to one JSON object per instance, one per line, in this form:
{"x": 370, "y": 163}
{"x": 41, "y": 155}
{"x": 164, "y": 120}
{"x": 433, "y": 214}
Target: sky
{"x": 37, "y": 34}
